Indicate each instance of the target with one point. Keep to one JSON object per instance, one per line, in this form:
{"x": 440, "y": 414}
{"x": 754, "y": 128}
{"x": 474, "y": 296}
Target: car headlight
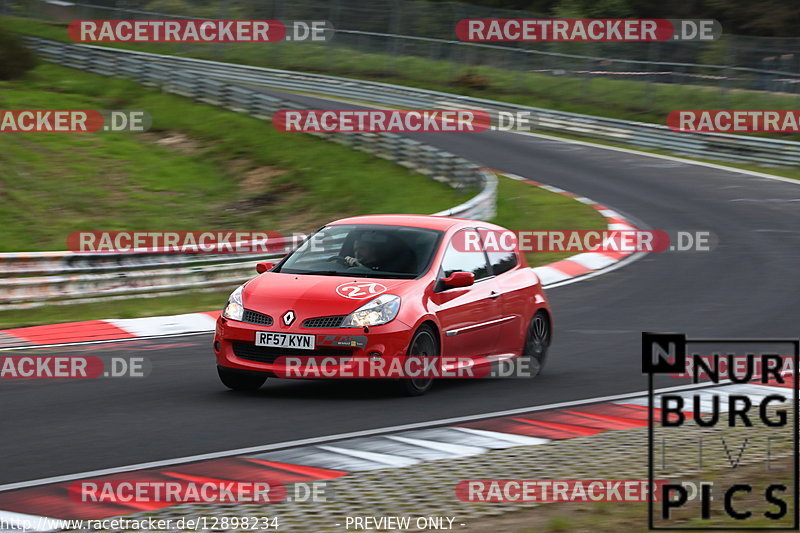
{"x": 234, "y": 309}
{"x": 373, "y": 313}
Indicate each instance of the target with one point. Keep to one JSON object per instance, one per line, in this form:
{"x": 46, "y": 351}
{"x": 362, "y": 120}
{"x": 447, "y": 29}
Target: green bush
{"x": 15, "y": 57}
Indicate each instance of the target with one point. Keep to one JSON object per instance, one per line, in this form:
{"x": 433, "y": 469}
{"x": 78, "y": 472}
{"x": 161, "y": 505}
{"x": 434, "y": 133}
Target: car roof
{"x": 414, "y": 221}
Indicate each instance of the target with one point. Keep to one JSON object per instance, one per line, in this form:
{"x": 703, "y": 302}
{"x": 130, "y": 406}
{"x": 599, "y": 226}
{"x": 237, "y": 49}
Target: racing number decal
{"x": 360, "y": 290}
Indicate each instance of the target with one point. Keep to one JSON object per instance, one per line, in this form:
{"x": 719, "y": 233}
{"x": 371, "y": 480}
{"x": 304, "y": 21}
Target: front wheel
{"x": 240, "y": 381}
{"x": 537, "y": 340}
{"x": 423, "y": 344}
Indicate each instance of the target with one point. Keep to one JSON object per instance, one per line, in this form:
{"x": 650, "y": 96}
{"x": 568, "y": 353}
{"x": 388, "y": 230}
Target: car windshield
{"x": 369, "y": 251}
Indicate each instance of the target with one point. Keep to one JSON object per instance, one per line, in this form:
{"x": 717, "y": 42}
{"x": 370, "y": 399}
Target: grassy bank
{"x": 199, "y": 168}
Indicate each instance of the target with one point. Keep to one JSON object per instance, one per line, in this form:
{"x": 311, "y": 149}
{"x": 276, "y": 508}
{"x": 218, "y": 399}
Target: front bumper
{"x": 234, "y": 345}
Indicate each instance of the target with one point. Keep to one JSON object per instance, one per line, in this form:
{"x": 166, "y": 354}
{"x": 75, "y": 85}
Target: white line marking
{"x": 340, "y": 436}
{"x": 373, "y": 457}
{"x": 510, "y": 438}
{"x": 549, "y": 275}
{"x": 615, "y": 226}
{"x": 593, "y": 260}
{"x": 551, "y": 188}
{"x": 619, "y": 264}
{"x": 454, "y": 449}
{"x": 509, "y": 174}
{"x": 660, "y": 156}
{"x": 165, "y": 325}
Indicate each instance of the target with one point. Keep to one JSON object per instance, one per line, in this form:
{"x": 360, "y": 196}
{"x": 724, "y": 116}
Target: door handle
{"x": 494, "y": 294}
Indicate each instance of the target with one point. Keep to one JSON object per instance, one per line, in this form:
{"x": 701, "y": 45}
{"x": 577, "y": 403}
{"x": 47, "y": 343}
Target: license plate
{"x": 285, "y": 340}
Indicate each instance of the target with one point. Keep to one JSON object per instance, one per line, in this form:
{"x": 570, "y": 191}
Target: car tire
{"x": 537, "y": 341}
{"x": 423, "y": 343}
{"x": 240, "y": 381}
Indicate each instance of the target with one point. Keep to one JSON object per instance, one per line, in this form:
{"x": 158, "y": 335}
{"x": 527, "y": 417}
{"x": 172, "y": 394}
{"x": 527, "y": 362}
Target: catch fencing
{"x": 415, "y": 39}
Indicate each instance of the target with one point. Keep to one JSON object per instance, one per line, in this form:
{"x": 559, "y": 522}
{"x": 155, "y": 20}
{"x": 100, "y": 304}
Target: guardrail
{"x": 726, "y": 147}
{"x": 40, "y": 278}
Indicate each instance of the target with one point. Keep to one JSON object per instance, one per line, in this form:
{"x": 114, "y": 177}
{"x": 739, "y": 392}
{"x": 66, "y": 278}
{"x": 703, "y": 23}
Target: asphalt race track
{"x": 746, "y": 287}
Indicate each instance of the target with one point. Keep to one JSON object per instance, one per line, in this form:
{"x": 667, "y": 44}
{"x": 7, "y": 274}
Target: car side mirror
{"x": 263, "y": 266}
{"x": 459, "y": 279}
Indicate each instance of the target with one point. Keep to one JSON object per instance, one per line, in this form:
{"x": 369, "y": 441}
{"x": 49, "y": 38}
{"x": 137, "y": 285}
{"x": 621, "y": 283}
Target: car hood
{"x": 311, "y": 296}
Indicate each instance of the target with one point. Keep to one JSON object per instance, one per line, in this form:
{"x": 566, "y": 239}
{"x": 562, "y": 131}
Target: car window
{"x": 463, "y": 258}
{"x": 501, "y": 249}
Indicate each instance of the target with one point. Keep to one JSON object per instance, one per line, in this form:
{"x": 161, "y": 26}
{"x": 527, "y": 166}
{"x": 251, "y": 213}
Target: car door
{"x": 513, "y": 292}
{"x": 468, "y": 315}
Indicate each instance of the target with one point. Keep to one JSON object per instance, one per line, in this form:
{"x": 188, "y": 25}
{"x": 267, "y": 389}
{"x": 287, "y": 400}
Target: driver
{"x": 367, "y": 252}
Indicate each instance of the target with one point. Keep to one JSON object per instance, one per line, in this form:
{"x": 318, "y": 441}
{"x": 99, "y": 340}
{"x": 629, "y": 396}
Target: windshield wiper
{"x": 318, "y": 272}
{"x": 376, "y": 274}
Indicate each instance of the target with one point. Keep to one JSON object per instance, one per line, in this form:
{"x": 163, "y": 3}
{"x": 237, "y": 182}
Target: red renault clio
{"x": 386, "y": 286}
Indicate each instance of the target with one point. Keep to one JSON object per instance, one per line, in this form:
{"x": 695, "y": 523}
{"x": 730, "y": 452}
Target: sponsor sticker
{"x": 360, "y": 290}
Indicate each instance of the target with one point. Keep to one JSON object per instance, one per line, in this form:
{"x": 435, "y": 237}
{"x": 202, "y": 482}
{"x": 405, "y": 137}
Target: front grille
{"x": 268, "y": 354}
{"x": 324, "y": 322}
{"x": 253, "y": 317}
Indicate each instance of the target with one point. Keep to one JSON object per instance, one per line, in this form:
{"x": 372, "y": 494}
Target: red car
{"x": 386, "y": 286}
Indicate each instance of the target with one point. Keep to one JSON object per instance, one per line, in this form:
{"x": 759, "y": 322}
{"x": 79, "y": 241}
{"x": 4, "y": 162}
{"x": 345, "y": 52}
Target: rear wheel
{"x": 423, "y": 344}
{"x": 240, "y": 381}
{"x": 537, "y": 340}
